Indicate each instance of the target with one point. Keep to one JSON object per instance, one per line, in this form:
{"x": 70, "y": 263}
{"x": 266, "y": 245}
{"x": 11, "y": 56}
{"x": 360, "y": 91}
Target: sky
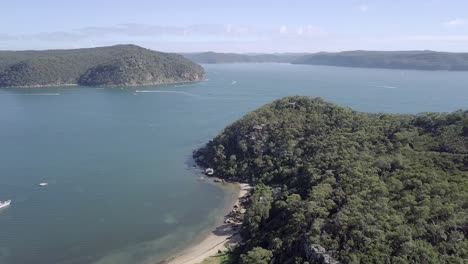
{"x": 240, "y": 26}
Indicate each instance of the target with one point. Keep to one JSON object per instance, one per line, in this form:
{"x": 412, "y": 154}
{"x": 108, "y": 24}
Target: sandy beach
{"x": 214, "y": 242}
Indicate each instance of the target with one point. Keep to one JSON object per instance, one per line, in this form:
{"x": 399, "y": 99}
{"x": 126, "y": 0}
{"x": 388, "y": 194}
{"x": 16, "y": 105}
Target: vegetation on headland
{"x": 216, "y": 57}
{"x": 333, "y": 184}
{"x": 219, "y": 259}
{"x": 121, "y": 65}
{"x": 418, "y": 60}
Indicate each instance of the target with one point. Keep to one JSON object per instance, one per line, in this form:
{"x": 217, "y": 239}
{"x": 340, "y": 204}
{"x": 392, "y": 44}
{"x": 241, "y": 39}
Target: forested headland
{"x": 334, "y": 185}
{"x": 120, "y": 65}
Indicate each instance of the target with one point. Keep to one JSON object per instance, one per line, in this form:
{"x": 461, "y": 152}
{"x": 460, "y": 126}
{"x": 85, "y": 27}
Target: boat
{"x": 43, "y": 184}
{"x": 209, "y": 171}
{"x": 5, "y": 203}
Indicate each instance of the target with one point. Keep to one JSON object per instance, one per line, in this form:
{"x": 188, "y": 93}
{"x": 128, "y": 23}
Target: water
{"x": 122, "y": 188}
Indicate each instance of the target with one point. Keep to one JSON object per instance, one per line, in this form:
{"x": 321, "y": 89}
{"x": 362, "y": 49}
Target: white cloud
{"x": 135, "y": 31}
{"x": 229, "y": 28}
{"x": 426, "y": 38}
{"x": 300, "y": 30}
{"x": 232, "y": 38}
{"x": 283, "y": 29}
{"x": 441, "y": 38}
{"x": 315, "y": 31}
{"x": 363, "y": 8}
{"x": 456, "y": 22}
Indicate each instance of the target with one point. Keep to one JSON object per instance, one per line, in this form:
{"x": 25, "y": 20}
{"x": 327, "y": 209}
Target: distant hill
{"x": 121, "y": 65}
{"x": 215, "y": 58}
{"x": 419, "y": 60}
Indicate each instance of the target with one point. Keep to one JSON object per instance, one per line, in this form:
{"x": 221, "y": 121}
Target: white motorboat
{"x": 4, "y": 204}
{"x": 209, "y": 171}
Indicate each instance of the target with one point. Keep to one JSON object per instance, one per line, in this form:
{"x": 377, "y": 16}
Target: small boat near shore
{"x": 5, "y": 204}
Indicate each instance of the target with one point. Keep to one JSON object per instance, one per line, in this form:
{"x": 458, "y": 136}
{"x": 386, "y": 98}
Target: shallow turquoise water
{"x": 122, "y": 186}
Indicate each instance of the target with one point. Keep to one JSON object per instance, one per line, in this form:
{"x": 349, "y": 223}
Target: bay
{"x": 122, "y": 186}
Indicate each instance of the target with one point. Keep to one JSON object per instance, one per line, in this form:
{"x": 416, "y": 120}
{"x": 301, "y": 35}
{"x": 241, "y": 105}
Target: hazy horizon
{"x": 237, "y": 27}
{"x": 243, "y": 53}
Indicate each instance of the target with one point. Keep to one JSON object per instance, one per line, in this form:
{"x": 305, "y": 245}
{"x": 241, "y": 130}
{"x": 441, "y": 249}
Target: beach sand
{"x": 214, "y": 242}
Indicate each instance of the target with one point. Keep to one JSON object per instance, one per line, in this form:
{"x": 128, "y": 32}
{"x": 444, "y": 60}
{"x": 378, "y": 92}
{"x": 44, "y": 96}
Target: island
{"x": 120, "y": 65}
{"x": 334, "y": 185}
{"x": 416, "y": 60}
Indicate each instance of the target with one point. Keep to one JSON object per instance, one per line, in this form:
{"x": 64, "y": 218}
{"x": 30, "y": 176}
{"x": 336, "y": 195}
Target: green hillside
{"x": 218, "y": 58}
{"x": 419, "y": 60}
{"x": 335, "y": 184}
{"x": 121, "y": 65}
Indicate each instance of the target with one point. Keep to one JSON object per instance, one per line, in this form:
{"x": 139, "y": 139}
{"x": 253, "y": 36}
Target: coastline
{"x": 215, "y": 240}
{"x": 106, "y": 86}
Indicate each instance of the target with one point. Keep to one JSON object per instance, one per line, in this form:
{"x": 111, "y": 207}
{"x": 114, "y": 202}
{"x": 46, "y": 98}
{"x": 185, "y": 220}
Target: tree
{"x": 370, "y": 188}
{"x": 257, "y": 255}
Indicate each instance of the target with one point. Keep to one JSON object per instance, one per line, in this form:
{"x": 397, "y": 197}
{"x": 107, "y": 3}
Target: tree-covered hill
{"x": 218, "y": 58}
{"x": 419, "y": 60}
{"x": 333, "y": 184}
{"x": 121, "y": 65}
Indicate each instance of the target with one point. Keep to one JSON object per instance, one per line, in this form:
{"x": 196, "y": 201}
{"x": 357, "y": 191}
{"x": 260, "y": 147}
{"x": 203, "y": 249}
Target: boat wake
{"x": 383, "y": 86}
{"x": 167, "y": 91}
{"x": 182, "y": 85}
{"x": 5, "y": 204}
{"x": 42, "y": 94}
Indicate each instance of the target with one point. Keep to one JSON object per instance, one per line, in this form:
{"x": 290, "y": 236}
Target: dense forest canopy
{"x": 334, "y": 184}
{"x": 121, "y": 65}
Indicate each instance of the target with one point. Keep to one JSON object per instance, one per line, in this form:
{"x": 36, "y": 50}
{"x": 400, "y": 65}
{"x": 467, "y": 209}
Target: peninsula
{"x": 334, "y": 185}
{"x": 120, "y": 65}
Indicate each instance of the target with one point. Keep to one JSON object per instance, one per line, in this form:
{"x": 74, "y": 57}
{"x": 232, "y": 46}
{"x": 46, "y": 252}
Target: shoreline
{"x": 214, "y": 240}
{"x": 99, "y": 86}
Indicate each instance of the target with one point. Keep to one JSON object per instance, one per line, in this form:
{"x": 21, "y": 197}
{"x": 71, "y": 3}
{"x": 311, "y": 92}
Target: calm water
{"x": 122, "y": 187}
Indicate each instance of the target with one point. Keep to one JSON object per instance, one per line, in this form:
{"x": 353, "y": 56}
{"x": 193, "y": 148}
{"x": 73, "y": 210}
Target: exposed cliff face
{"x": 123, "y": 65}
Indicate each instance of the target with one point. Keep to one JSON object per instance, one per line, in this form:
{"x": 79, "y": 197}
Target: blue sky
{"x": 237, "y": 26}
